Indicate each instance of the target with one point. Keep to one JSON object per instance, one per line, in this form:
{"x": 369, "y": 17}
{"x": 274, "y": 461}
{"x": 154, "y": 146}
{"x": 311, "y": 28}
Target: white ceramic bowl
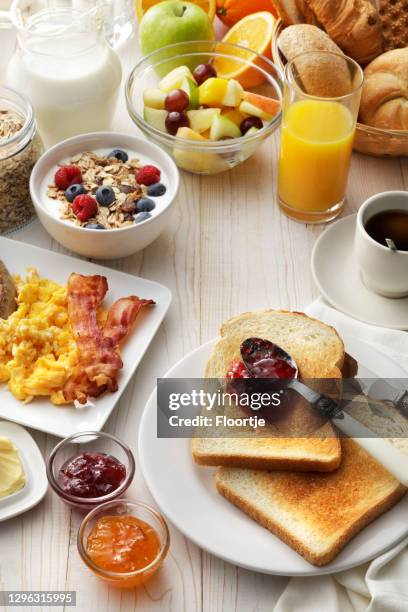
{"x": 112, "y": 243}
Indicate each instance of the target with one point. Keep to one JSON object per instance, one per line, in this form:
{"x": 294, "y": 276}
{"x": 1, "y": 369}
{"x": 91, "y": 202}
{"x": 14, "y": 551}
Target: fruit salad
{"x": 106, "y": 191}
{"x": 199, "y": 105}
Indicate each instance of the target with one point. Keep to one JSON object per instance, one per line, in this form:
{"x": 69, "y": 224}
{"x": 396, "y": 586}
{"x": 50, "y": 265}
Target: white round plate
{"x": 36, "y": 486}
{"x": 336, "y": 273}
{"x": 187, "y": 496}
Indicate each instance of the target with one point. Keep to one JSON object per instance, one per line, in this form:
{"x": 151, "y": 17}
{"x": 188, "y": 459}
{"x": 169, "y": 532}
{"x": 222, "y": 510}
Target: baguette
{"x": 315, "y": 514}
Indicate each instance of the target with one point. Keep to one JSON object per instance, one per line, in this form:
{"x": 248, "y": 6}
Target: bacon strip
{"x": 99, "y": 358}
{"x": 121, "y": 316}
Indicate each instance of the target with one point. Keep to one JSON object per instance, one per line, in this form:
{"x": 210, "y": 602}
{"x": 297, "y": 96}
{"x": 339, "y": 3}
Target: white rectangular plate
{"x": 63, "y": 421}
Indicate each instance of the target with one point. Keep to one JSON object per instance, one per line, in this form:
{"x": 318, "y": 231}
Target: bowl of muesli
{"x": 104, "y": 195}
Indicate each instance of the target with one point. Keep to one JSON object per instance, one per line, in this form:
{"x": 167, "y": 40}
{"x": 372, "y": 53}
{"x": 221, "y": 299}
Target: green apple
{"x": 155, "y": 117}
{"x": 191, "y": 88}
{"x": 233, "y": 94}
{"x": 173, "y": 21}
{"x": 175, "y": 78}
{"x": 221, "y": 127}
{"x": 154, "y": 98}
{"x": 201, "y": 120}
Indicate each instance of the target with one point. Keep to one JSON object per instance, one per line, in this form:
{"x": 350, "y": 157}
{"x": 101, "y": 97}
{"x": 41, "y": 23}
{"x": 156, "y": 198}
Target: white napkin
{"x": 379, "y": 586}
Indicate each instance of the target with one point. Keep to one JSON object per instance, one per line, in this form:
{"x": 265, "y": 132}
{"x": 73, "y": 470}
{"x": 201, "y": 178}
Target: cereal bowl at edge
{"x": 110, "y": 243}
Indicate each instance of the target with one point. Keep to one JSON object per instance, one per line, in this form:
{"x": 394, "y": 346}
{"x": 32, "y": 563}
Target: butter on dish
{"x": 12, "y": 476}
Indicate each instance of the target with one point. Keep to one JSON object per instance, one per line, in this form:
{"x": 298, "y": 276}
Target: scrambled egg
{"x": 37, "y": 348}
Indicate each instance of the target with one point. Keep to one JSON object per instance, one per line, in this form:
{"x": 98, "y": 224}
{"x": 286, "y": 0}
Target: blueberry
{"x": 145, "y": 205}
{"x": 73, "y": 191}
{"x": 94, "y": 226}
{"x": 156, "y": 190}
{"x": 105, "y": 195}
{"x": 119, "y": 154}
{"x": 142, "y": 216}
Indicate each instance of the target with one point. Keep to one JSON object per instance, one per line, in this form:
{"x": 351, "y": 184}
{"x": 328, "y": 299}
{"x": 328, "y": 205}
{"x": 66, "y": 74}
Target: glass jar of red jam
{"x": 89, "y": 468}
{"x": 123, "y": 542}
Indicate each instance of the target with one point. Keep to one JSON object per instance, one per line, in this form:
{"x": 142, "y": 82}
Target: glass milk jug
{"x": 64, "y": 66}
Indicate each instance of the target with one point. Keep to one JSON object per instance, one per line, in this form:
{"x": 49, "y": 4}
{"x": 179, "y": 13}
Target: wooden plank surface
{"x": 227, "y": 249}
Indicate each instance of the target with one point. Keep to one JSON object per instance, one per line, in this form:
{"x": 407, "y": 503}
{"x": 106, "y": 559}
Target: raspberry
{"x": 148, "y": 175}
{"x": 66, "y": 176}
{"x": 84, "y": 207}
{"x": 237, "y": 370}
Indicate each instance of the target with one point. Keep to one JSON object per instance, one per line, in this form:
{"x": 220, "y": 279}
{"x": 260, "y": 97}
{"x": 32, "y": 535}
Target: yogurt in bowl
{"x": 118, "y": 207}
{"x": 106, "y": 189}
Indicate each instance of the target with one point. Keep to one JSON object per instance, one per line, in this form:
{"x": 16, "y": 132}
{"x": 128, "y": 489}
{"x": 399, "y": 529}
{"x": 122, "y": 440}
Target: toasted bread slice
{"x": 316, "y": 347}
{"x": 319, "y": 353}
{"x": 315, "y": 514}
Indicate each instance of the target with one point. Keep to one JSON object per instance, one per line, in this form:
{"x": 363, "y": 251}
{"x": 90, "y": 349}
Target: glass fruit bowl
{"x": 256, "y": 73}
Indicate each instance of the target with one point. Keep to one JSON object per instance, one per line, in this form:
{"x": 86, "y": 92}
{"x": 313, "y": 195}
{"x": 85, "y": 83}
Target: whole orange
{"x": 231, "y": 11}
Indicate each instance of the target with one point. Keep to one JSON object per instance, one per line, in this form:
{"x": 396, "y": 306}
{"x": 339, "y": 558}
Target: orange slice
{"x": 208, "y": 6}
{"x": 254, "y": 32}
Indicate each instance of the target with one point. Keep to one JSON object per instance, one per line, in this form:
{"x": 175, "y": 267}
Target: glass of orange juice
{"x": 320, "y": 107}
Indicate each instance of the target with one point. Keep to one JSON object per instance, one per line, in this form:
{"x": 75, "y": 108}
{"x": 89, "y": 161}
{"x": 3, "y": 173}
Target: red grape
{"x": 249, "y": 122}
{"x": 204, "y": 72}
{"x": 174, "y": 121}
{"x": 176, "y": 101}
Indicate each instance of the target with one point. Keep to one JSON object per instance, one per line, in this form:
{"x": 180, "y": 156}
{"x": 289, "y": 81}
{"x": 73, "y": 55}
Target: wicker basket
{"x": 368, "y": 140}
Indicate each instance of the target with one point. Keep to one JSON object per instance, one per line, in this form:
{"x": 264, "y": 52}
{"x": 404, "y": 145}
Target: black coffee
{"x": 389, "y": 224}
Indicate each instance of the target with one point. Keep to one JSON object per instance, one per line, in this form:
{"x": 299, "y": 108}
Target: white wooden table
{"x": 228, "y": 249}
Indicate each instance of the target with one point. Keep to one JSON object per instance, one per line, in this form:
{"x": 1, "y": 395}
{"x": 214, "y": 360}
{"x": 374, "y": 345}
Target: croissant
{"x": 384, "y": 100}
{"x": 353, "y": 24}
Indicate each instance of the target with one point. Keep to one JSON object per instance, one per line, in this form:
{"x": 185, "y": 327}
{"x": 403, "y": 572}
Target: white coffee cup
{"x": 383, "y": 270}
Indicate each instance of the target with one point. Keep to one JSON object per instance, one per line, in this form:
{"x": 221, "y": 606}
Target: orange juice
{"x": 317, "y": 140}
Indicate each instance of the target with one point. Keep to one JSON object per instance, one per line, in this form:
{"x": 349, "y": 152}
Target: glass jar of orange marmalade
{"x": 123, "y": 542}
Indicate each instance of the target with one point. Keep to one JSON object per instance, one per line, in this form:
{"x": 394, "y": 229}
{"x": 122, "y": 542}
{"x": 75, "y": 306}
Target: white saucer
{"x": 36, "y": 486}
{"x": 336, "y": 273}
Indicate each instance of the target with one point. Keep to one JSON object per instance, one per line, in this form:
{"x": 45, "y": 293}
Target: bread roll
{"x": 384, "y": 100}
{"x": 325, "y": 76}
{"x": 353, "y": 24}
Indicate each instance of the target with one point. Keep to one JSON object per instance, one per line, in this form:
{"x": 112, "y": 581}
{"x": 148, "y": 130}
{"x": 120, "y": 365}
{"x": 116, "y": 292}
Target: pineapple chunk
{"x": 235, "y": 116}
{"x": 212, "y": 91}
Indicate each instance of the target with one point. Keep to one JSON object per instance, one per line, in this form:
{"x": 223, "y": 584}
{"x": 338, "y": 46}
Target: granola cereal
{"x": 18, "y": 153}
{"x": 97, "y": 171}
